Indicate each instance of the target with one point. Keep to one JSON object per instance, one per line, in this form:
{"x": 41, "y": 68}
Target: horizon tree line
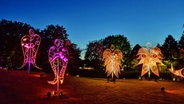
{"x": 11, "y": 53}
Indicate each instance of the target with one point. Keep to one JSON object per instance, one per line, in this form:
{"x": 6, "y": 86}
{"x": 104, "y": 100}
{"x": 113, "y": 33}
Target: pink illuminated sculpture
{"x": 30, "y": 45}
{"x": 149, "y": 58}
{"x": 58, "y": 58}
{"x": 112, "y": 58}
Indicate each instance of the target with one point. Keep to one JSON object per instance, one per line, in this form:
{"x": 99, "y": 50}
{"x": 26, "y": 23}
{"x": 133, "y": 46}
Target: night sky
{"x": 141, "y": 21}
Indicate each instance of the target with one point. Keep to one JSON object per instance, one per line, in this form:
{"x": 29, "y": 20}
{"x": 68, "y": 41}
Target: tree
{"x": 181, "y": 50}
{"x": 181, "y": 46}
{"x": 170, "y": 51}
{"x": 94, "y": 51}
{"x": 170, "y": 48}
{"x": 93, "y": 55}
{"x": 133, "y": 56}
{"x": 11, "y": 33}
{"x": 181, "y": 41}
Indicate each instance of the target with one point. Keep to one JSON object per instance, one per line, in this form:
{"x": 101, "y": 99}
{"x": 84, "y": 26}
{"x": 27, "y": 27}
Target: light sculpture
{"x": 178, "y": 73}
{"x": 58, "y": 58}
{"x": 112, "y": 58}
{"x": 30, "y": 45}
{"x": 149, "y": 58}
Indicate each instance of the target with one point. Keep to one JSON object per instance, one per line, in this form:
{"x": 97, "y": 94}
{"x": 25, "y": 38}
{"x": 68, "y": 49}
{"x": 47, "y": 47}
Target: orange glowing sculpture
{"x": 58, "y": 58}
{"x": 30, "y": 45}
{"x": 178, "y": 73}
{"x": 112, "y": 58}
{"x": 149, "y": 58}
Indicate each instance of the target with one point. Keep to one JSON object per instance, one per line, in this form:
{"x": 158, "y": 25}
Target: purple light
{"x": 56, "y": 52}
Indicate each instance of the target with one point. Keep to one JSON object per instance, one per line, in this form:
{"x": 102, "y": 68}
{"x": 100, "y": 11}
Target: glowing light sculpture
{"x": 30, "y": 45}
{"x": 149, "y": 58}
{"x": 178, "y": 73}
{"x": 112, "y": 58}
{"x": 58, "y": 58}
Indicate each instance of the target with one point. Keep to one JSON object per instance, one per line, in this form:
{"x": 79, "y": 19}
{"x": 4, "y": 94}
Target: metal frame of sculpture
{"x": 30, "y": 45}
{"x": 112, "y": 58}
{"x": 58, "y": 58}
{"x": 149, "y": 58}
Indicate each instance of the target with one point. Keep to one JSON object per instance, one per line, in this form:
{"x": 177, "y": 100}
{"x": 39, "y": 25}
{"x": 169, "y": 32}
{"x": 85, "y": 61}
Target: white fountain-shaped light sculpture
{"x": 112, "y": 58}
{"x": 149, "y": 58}
{"x": 30, "y": 45}
{"x": 58, "y": 58}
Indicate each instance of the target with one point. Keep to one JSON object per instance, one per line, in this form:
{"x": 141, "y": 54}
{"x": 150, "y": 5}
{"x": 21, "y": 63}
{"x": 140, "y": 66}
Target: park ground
{"x": 19, "y": 87}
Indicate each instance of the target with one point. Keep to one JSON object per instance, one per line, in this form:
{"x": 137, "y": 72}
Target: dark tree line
{"x": 11, "y": 53}
{"x": 172, "y": 51}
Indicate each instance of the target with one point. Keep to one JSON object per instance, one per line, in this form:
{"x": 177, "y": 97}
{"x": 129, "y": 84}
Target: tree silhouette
{"x": 133, "y": 56}
{"x": 170, "y": 48}
{"x": 10, "y": 34}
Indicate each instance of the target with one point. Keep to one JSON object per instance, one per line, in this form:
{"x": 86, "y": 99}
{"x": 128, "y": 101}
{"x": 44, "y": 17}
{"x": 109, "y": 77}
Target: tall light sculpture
{"x": 58, "y": 58}
{"x": 30, "y": 45}
{"x": 149, "y": 58}
{"x": 112, "y": 58}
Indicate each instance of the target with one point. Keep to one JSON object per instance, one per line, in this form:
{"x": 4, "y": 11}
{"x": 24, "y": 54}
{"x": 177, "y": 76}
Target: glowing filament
{"x": 112, "y": 58}
{"x": 58, "y": 58}
{"x": 178, "y": 72}
{"x": 149, "y": 60}
{"x": 30, "y": 45}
